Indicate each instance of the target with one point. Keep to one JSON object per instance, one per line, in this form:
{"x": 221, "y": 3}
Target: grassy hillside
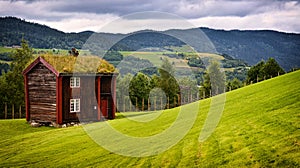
{"x": 155, "y": 57}
{"x": 259, "y": 128}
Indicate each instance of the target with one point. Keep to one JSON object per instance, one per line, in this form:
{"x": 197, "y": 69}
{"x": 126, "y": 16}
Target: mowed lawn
{"x": 260, "y": 127}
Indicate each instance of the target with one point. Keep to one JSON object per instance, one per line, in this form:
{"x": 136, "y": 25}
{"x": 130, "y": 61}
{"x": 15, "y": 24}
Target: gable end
{"x": 44, "y": 62}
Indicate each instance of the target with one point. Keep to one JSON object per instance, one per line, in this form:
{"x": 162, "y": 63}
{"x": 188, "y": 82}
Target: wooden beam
{"x": 114, "y": 96}
{"x": 26, "y": 98}
{"x": 98, "y": 97}
{"x": 59, "y": 100}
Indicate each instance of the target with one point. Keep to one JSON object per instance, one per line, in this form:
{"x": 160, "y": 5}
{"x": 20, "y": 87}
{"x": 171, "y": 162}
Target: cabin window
{"x": 75, "y": 82}
{"x": 74, "y": 105}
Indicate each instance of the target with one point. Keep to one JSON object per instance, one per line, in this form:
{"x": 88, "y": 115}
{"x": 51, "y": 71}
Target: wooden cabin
{"x": 56, "y": 91}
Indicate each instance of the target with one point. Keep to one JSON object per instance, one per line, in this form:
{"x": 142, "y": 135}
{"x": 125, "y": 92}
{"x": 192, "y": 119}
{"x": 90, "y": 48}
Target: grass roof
{"x": 81, "y": 64}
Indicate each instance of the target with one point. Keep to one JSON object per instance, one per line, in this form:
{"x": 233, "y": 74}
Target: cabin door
{"x": 104, "y": 107}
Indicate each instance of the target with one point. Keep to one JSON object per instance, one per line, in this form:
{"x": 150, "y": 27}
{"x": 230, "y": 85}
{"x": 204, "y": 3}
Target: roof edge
{"x": 44, "y": 62}
{"x": 89, "y": 74}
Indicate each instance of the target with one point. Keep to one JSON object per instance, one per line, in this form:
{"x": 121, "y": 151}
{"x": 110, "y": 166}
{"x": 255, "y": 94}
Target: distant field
{"x": 4, "y": 49}
{"x": 60, "y": 51}
{"x": 259, "y": 128}
{"x": 155, "y": 57}
{"x": 2, "y": 61}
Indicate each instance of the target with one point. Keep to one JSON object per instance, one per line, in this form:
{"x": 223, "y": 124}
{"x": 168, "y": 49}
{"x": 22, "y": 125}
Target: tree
{"x": 166, "y": 69}
{"x": 155, "y": 81}
{"x": 188, "y": 87}
{"x": 13, "y": 82}
{"x": 168, "y": 83}
{"x": 214, "y": 80}
{"x": 205, "y": 86}
{"x": 217, "y": 78}
{"x": 234, "y": 84}
{"x": 264, "y": 70}
{"x": 123, "y": 88}
{"x": 139, "y": 89}
{"x": 272, "y": 69}
{"x": 255, "y": 73}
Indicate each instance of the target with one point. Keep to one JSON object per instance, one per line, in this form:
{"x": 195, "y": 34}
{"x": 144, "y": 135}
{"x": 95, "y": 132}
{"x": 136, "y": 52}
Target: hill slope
{"x": 259, "y": 128}
{"x": 251, "y": 46}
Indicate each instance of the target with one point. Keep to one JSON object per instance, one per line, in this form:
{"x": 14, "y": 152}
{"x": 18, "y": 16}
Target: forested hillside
{"x": 251, "y": 46}
{"x": 39, "y": 36}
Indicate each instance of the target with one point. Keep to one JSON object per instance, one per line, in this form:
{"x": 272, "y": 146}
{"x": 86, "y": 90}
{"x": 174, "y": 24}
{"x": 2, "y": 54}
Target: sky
{"x": 124, "y": 16}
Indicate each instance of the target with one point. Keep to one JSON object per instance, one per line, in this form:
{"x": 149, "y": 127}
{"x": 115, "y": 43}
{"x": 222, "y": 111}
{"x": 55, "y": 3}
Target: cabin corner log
{"x": 41, "y": 94}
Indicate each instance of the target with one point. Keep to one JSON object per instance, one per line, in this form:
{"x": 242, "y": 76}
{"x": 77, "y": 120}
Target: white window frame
{"x": 75, "y": 82}
{"x": 74, "y": 105}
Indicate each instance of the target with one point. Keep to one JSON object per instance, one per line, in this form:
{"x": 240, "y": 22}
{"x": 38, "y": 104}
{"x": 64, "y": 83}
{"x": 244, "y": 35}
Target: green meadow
{"x": 155, "y": 57}
{"x": 260, "y": 127}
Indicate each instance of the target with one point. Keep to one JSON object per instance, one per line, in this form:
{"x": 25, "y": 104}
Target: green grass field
{"x": 4, "y": 49}
{"x": 260, "y": 127}
{"x": 61, "y": 51}
{"x": 155, "y": 57}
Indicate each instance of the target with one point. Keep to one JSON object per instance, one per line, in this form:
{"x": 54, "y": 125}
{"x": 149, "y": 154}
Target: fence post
{"x": 143, "y": 104}
{"x": 175, "y": 101}
{"x": 130, "y": 104}
{"x": 20, "y": 111}
{"x": 148, "y": 104}
{"x": 136, "y": 104}
{"x": 5, "y": 111}
{"x": 161, "y": 104}
{"x": 155, "y": 103}
{"x": 124, "y": 102}
{"x": 179, "y": 101}
{"x": 168, "y": 105}
{"x": 13, "y": 111}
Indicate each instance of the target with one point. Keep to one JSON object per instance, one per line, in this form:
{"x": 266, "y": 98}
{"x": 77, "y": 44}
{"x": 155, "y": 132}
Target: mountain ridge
{"x": 249, "y": 45}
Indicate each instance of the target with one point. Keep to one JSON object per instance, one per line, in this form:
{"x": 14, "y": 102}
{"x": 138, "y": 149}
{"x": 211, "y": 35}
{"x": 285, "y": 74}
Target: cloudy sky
{"x": 128, "y": 15}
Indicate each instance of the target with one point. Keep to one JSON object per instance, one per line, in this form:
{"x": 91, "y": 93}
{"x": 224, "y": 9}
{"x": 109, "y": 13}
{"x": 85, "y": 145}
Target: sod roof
{"x": 82, "y": 64}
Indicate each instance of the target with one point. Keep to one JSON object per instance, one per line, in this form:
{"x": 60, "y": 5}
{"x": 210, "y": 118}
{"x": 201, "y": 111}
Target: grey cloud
{"x": 59, "y": 10}
{"x": 185, "y": 8}
{"x": 118, "y": 7}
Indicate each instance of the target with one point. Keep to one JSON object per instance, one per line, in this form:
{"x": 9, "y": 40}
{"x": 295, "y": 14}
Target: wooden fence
{"x": 12, "y": 112}
{"x": 124, "y": 103}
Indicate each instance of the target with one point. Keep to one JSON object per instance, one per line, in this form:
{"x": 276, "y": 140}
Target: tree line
{"x": 140, "y": 87}
{"x": 12, "y": 81}
{"x": 141, "y": 90}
